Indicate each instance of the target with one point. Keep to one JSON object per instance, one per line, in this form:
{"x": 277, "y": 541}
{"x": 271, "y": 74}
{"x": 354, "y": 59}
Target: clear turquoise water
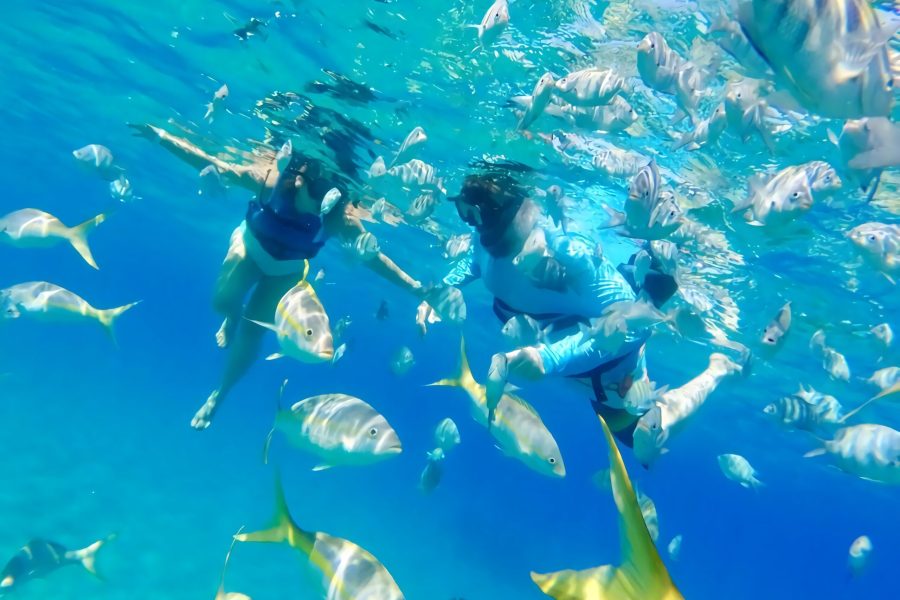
{"x": 96, "y": 437}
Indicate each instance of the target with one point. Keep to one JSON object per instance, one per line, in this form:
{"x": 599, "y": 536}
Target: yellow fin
{"x": 283, "y": 529}
{"x": 641, "y": 574}
{"x": 78, "y": 238}
{"x": 464, "y": 377}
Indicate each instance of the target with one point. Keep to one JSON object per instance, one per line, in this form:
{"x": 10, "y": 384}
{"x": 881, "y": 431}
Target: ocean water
{"x": 96, "y": 433}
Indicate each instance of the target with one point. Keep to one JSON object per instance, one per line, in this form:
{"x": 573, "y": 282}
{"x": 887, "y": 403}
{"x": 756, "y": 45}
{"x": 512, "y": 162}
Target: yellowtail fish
{"x": 347, "y": 571}
{"x": 46, "y": 301}
{"x": 858, "y": 557}
{"x": 517, "y": 428}
{"x": 32, "y": 228}
{"x": 221, "y": 594}
{"x": 867, "y": 451}
{"x": 737, "y": 468}
{"x": 40, "y": 557}
{"x": 339, "y": 429}
{"x": 301, "y": 325}
{"x": 641, "y": 575}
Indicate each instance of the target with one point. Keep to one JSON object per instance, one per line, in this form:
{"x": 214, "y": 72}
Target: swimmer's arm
{"x": 245, "y": 176}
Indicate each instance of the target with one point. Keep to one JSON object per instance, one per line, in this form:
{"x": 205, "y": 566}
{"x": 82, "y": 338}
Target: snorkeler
{"x": 559, "y": 281}
{"x": 285, "y": 226}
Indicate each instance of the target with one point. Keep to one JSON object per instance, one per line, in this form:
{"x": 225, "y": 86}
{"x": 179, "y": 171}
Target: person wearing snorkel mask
{"x": 557, "y": 278}
{"x": 284, "y": 227}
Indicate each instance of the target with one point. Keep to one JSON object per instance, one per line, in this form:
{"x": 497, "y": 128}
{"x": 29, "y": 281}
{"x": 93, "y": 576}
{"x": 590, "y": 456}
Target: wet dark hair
{"x": 489, "y": 201}
{"x": 315, "y": 177}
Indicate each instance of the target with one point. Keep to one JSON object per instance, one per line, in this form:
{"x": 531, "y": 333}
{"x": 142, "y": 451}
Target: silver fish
{"x": 413, "y": 139}
{"x": 446, "y": 435}
{"x": 493, "y": 23}
{"x": 32, "y": 228}
{"x": 330, "y": 200}
{"x": 590, "y": 87}
{"x": 457, "y": 245}
{"x": 883, "y": 333}
{"x": 617, "y": 116}
{"x": 879, "y": 243}
{"x": 421, "y": 208}
{"x": 778, "y": 327}
{"x": 211, "y": 183}
{"x": 780, "y": 198}
{"x": 737, "y": 468}
{"x": 98, "y": 159}
{"x": 417, "y": 173}
{"x": 403, "y": 361}
{"x": 121, "y": 189}
{"x": 868, "y": 451}
{"x": 540, "y": 98}
{"x": 705, "y": 132}
{"x": 366, "y": 246}
{"x": 217, "y": 100}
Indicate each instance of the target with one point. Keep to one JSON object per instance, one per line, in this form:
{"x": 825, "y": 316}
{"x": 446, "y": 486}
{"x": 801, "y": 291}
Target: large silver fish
{"x": 868, "y": 451}
{"x": 33, "y": 228}
{"x": 346, "y": 571}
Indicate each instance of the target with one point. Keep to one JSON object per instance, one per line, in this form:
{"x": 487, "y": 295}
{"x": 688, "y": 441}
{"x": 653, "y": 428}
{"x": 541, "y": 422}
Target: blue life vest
{"x": 283, "y": 231}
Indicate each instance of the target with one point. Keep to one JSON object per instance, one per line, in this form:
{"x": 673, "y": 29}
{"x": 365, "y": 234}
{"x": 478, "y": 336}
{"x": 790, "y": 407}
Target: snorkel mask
{"x": 489, "y": 202}
{"x": 291, "y": 167}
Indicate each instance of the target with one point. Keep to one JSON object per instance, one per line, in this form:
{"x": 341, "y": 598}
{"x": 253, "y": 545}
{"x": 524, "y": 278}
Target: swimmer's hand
{"x": 146, "y": 131}
{"x": 525, "y": 363}
{"x": 440, "y": 303}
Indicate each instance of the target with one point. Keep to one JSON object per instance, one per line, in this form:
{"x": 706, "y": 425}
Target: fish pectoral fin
{"x": 585, "y": 584}
{"x": 275, "y": 356}
{"x": 268, "y": 326}
{"x": 321, "y": 467}
{"x": 816, "y": 452}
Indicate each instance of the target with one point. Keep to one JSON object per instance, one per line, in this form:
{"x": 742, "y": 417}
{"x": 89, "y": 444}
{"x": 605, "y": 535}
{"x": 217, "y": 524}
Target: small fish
{"x": 747, "y": 114}
{"x": 707, "y": 131}
{"x": 339, "y": 429}
{"x": 221, "y": 594}
{"x": 641, "y": 574}
{"x": 446, "y": 435}
{"x": 46, "y": 301}
{"x": 648, "y": 511}
{"x": 867, "y": 451}
{"x": 616, "y": 162}
{"x": 366, "y": 246}
{"x": 859, "y": 554}
{"x": 32, "y": 228}
{"x": 780, "y": 198}
{"x": 347, "y": 570}
{"x": 664, "y": 70}
{"x": 40, "y": 557}
{"x": 883, "y": 333}
{"x": 211, "y": 183}
{"x": 457, "y": 245}
{"x": 727, "y": 33}
{"x": 383, "y": 312}
{"x": 832, "y": 360}
{"x": 615, "y": 117}
{"x": 736, "y": 468}
{"x": 533, "y": 250}
{"x": 880, "y": 244}
{"x": 433, "y": 473}
{"x": 674, "y": 547}
{"x": 330, "y": 200}
{"x": 806, "y": 414}
{"x": 339, "y": 353}
{"x": 417, "y": 173}
{"x": 341, "y": 326}
{"x": 885, "y": 378}
{"x": 121, "y": 190}
{"x": 864, "y": 142}
{"x": 421, "y": 208}
{"x": 402, "y": 361}
{"x": 301, "y": 325}
{"x": 378, "y": 168}
{"x": 540, "y": 98}
{"x": 98, "y": 159}
{"x": 642, "y": 395}
{"x": 446, "y": 302}
{"x": 522, "y": 330}
{"x": 649, "y": 214}
{"x": 247, "y": 30}
{"x": 642, "y": 262}
{"x": 590, "y": 87}
{"x": 217, "y": 100}
{"x": 778, "y": 327}
{"x": 413, "y": 139}
{"x": 320, "y": 276}
{"x": 493, "y": 23}
{"x": 518, "y": 429}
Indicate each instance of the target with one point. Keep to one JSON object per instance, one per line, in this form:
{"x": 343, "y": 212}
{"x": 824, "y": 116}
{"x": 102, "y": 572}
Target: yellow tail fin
{"x": 641, "y": 575}
{"x": 108, "y": 317}
{"x": 283, "y": 528}
{"x": 464, "y": 378}
{"x": 78, "y": 238}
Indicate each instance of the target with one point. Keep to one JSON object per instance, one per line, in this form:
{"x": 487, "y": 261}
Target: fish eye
{"x": 871, "y": 238}
{"x": 309, "y": 332}
{"x": 373, "y": 432}
{"x": 551, "y": 460}
{"x": 795, "y": 195}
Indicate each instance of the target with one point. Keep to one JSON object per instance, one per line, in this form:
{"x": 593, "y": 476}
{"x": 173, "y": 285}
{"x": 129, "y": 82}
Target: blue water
{"x": 95, "y": 434}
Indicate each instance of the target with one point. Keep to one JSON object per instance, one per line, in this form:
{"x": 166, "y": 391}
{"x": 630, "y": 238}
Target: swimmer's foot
{"x": 204, "y": 416}
{"x": 223, "y": 335}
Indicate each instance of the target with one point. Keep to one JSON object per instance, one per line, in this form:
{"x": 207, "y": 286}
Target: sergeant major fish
{"x": 736, "y": 468}
{"x": 98, "y": 159}
{"x": 880, "y": 244}
{"x": 589, "y": 87}
{"x": 347, "y": 571}
{"x": 40, "y": 557}
{"x": 868, "y": 451}
{"x": 517, "y": 427}
{"x": 46, "y": 301}
{"x": 301, "y": 325}
{"x": 30, "y": 227}
{"x": 778, "y": 327}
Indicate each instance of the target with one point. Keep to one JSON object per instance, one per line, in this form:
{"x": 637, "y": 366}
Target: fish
{"x": 495, "y": 20}
{"x": 858, "y": 556}
{"x": 736, "y": 468}
{"x": 217, "y": 100}
{"x": 831, "y": 57}
{"x": 339, "y": 353}
{"x": 868, "y": 451}
{"x": 616, "y": 162}
{"x": 301, "y": 325}
{"x": 366, "y": 246}
{"x": 384, "y": 312}
{"x": 99, "y": 159}
{"x": 642, "y": 394}
{"x": 31, "y": 228}
{"x": 457, "y": 245}
{"x": 885, "y": 378}
{"x": 320, "y": 276}
{"x": 649, "y": 214}
{"x": 676, "y": 407}
{"x": 418, "y": 173}
{"x": 614, "y": 117}
{"x": 211, "y": 183}
{"x": 39, "y": 557}
{"x": 498, "y": 376}
{"x": 413, "y": 139}
{"x": 648, "y": 511}
{"x": 540, "y": 98}
{"x": 517, "y": 428}
{"x": 446, "y": 302}
{"x": 778, "y": 327}
{"x": 46, "y": 301}
{"x": 866, "y": 147}
{"x": 626, "y": 316}
{"x": 664, "y": 70}
{"x": 249, "y": 29}
{"x": 446, "y": 435}
{"x": 832, "y": 360}
{"x": 728, "y": 34}
{"x": 522, "y": 330}
{"x": 533, "y": 250}
{"x": 883, "y": 333}
{"x": 421, "y": 208}
{"x": 674, "y": 547}
{"x": 120, "y": 189}
{"x": 641, "y": 575}
{"x": 880, "y": 244}
{"x": 747, "y": 113}
{"x": 340, "y": 430}
{"x": 808, "y": 414}
{"x": 402, "y": 361}
{"x": 780, "y": 198}
{"x": 346, "y": 570}
{"x": 589, "y": 87}
{"x": 707, "y": 131}
{"x": 221, "y": 594}
{"x": 433, "y": 472}
{"x": 330, "y": 200}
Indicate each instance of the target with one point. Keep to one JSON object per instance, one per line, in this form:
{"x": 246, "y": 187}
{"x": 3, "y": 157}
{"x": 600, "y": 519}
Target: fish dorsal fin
{"x": 524, "y": 404}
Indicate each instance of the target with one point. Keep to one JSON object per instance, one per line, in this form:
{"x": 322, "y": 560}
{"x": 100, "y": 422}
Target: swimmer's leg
{"x": 244, "y": 348}
{"x": 236, "y": 277}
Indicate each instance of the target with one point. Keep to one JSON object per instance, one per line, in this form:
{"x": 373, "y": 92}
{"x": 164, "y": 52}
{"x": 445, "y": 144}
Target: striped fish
{"x": 879, "y": 243}
{"x": 808, "y": 415}
{"x": 346, "y": 571}
{"x": 46, "y": 301}
{"x": 780, "y": 198}
{"x": 778, "y": 327}
{"x": 590, "y": 87}
{"x": 40, "y": 557}
{"x": 339, "y": 429}
{"x": 301, "y": 325}
{"x": 867, "y": 451}
{"x": 32, "y": 228}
